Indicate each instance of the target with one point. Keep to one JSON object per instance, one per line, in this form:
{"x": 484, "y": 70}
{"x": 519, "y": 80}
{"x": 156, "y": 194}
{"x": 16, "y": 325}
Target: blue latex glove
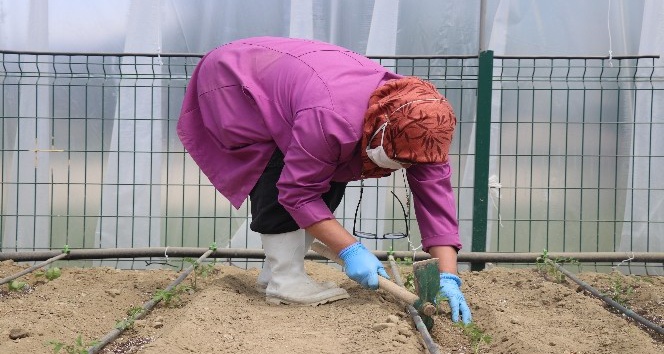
{"x": 362, "y": 266}
{"x": 449, "y": 287}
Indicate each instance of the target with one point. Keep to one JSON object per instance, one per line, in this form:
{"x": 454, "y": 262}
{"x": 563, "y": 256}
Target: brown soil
{"x": 521, "y": 310}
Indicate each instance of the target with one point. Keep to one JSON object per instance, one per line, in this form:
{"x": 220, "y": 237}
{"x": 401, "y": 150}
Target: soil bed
{"x": 519, "y": 309}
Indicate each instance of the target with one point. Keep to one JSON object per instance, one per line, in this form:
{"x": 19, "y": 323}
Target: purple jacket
{"x": 308, "y": 99}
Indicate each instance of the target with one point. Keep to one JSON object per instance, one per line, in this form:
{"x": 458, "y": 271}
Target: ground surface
{"x": 522, "y": 311}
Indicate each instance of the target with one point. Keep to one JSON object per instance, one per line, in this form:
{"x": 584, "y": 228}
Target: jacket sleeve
{"x": 321, "y": 139}
{"x": 434, "y": 203}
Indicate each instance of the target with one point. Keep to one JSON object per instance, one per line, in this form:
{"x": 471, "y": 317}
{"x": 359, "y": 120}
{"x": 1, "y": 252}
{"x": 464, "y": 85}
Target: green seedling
{"x": 16, "y": 285}
{"x": 170, "y": 296}
{"x": 124, "y": 324}
{"x": 408, "y": 261}
{"x": 134, "y": 312}
{"x": 166, "y": 296}
{"x": 50, "y": 274}
{"x": 619, "y": 291}
{"x": 77, "y": 348}
{"x": 206, "y": 270}
{"x": 542, "y": 258}
{"x": 409, "y": 279}
{"x": 475, "y": 335}
{"x": 547, "y": 266}
{"x": 409, "y": 282}
{"x": 440, "y": 298}
{"x": 200, "y": 270}
{"x": 196, "y": 266}
{"x": 405, "y": 261}
{"x": 53, "y": 273}
{"x": 128, "y": 322}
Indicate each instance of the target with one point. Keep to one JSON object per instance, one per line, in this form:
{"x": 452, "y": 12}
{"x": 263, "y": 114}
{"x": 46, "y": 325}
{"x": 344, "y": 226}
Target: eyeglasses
{"x": 388, "y": 236}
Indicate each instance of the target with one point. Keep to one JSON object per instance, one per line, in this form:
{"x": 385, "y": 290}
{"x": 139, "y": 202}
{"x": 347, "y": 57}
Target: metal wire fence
{"x": 576, "y": 154}
{"x": 90, "y": 157}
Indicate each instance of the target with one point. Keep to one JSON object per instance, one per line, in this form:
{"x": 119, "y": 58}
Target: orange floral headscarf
{"x": 420, "y": 124}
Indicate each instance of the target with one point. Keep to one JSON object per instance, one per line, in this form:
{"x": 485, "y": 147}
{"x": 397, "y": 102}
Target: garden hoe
{"x": 427, "y": 284}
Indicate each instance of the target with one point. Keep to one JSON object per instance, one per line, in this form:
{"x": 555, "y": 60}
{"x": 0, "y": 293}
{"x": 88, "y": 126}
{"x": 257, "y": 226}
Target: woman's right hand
{"x": 362, "y": 265}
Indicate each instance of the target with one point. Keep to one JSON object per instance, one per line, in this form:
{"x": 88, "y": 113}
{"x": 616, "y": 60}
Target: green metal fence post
{"x": 482, "y": 143}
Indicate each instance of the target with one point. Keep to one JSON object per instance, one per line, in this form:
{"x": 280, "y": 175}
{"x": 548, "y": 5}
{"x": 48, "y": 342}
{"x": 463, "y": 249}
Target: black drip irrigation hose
{"x": 33, "y": 268}
{"x": 419, "y": 324}
{"x": 147, "y": 307}
{"x": 610, "y": 301}
{"x": 161, "y": 252}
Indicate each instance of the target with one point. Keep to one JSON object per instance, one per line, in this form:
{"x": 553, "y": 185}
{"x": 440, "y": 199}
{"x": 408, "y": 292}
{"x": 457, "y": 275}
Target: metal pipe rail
{"x": 496, "y": 257}
{"x": 156, "y": 252}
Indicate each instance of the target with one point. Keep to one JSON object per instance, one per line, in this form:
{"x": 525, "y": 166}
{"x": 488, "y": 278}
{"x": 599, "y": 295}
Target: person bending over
{"x": 288, "y": 123}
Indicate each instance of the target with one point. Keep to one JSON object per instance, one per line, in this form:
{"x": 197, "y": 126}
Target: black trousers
{"x": 270, "y": 217}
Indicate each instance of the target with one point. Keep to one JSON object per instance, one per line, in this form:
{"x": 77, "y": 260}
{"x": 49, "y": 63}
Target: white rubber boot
{"x": 289, "y": 283}
{"x": 265, "y": 274}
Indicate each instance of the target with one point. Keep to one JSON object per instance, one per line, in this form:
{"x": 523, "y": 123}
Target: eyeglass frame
{"x": 387, "y": 236}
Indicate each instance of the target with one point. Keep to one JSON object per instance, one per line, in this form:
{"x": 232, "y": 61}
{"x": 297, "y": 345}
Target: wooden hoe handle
{"x": 401, "y": 293}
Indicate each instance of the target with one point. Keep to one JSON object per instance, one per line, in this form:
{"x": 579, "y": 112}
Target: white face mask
{"x": 378, "y": 156}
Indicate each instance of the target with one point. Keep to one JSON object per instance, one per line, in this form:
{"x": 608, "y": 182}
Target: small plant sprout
{"x": 164, "y": 295}
{"x": 547, "y": 266}
{"x": 200, "y": 270}
{"x": 196, "y": 267}
{"x": 128, "y": 322}
{"x": 50, "y": 274}
{"x": 170, "y": 296}
{"x": 475, "y": 335}
{"x": 408, "y": 261}
{"x": 542, "y": 258}
{"x": 53, "y": 273}
{"x": 409, "y": 282}
{"x": 209, "y": 268}
{"x": 78, "y": 347}
{"x": 409, "y": 279}
{"x": 205, "y": 270}
{"x": 619, "y": 291}
{"x": 124, "y": 324}
{"x": 440, "y": 298}
{"x": 390, "y": 252}
{"x": 16, "y": 285}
